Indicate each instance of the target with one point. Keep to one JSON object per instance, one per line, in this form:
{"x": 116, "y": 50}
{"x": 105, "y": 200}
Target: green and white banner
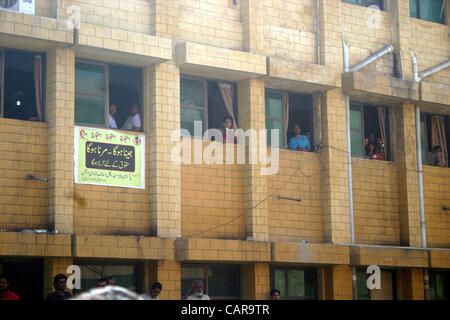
{"x": 109, "y": 158}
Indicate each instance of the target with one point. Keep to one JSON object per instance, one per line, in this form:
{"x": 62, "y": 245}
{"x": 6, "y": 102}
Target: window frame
{"x": 283, "y": 116}
{"x": 105, "y": 94}
{"x": 419, "y": 16}
{"x": 361, "y": 106}
{"x": 285, "y": 270}
{"x": 205, "y": 102}
{"x": 206, "y": 282}
{"x": 359, "y": 3}
{"x": 3, "y": 51}
{"x": 427, "y": 117}
{"x": 106, "y": 66}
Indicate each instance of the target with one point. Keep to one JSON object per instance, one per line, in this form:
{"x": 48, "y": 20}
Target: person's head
{"x": 372, "y": 137}
{"x": 102, "y": 282}
{"x": 108, "y": 293}
{"x": 112, "y": 109}
{"x": 275, "y": 294}
{"x": 111, "y": 281}
{"x": 59, "y": 282}
{"x": 437, "y": 149}
{"x": 308, "y": 134}
{"x": 155, "y": 289}
{"x": 297, "y": 130}
{"x": 4, "y": 284}
{"x": 227, "y": 122}
{"x": 380, "y": 140}
{"x": 366, "y": 141}
{"x": 198, "y": 288}
{"x": 135, "y": 108}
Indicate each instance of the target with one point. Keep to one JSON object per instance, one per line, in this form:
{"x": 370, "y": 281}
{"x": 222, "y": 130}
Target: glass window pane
{"x": 89, "y": 109}
{"x": 296, "y": 283}
{"x": 274, "y": 105}
{"x": 89, "y": 78}
{"x": 356, "y": 142}
{"x": 187, "y": 118}
{"x": 431, "y": 10}
{"x": 223, "y": 281}
{"x": 413, "y": 9}
{"x": 188, "y": 275}
{"x": 361, "y": 285}
{"x": 355, "y": 117}
{"x": 277, "y": 125}
{"x": 191, "y": 93}
{"x": 440, "y": 286}
{"x": 280, "y": 281}
{"x": 126, "y": 276}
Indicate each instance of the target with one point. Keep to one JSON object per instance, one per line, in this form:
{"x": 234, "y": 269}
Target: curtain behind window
{"x": 438, "y": 137}
{"x": 38, "y": 85}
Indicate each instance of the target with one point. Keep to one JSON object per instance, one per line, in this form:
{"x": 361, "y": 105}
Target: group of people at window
{"x": 374, "y": 147}
{"x": 132, "y": 123}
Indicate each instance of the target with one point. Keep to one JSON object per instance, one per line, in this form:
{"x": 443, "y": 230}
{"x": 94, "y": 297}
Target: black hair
{"x": 156, "y": 285}
{"x": 2, "y": 276}
{"x": 228, "y": 117}
{"x": 102, "y": 280}
{"x": 436, "y": 147}
{"x": 58, "y": 277}
{"x": 273, "y": 291}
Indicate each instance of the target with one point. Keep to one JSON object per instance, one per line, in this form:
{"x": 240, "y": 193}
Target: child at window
{"x": 299, "y": 142}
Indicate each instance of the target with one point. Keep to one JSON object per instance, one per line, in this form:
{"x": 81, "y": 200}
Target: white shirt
{"x": 112, "y": 122}
{"x": 147, "y": 296}
{"x": 133, "y": 121}
{"x": 194, "y": 297}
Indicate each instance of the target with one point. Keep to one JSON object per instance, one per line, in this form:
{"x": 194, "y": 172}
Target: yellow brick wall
{"x": 213, "y": 22}
{"x": 290, "y": 220}
{"x": 130, "y": 15}
{"x": 375, "y": 202}
{"x": 436, "y": 185}
{"x": 23, "y": 151}
{"x": 211, "y": 196}
{"x": 429, "y": 42}
{"x": 289, "y": 29}
{"x": 367, "y": 30}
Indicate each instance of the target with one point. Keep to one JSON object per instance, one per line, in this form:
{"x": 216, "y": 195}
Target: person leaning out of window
{"x": 436, "y": 157}
{"x": 299, "y": 142}
{"x": 133, "y": 122}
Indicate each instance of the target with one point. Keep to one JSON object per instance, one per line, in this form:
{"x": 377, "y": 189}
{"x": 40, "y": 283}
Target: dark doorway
{"x": 25, "y": 277}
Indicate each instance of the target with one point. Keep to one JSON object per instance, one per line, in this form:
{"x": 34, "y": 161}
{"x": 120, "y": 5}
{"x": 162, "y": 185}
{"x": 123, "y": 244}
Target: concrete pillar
{"x": 252, "y": 116}
{"x": 60, "y": 105}
{"x": 336, "y": 283}
{"x": 406, "y": 161}
{"x": 162, "y": 118}
{"x": 331, "y": 32}
{"x": 410, "y": 284}
{"x": 168, "y": 273}
{"x": 165, "y": 19}
{"x": 252, "y": 17}
{"x": 255, "y": 281}
{"x": 335, "y": 181}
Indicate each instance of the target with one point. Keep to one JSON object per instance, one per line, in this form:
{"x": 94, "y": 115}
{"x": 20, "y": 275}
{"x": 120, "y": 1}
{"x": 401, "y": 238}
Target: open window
{"x": 388, "y": 290}
{"x": 439, "y": 285}
{"x": 22, "y": 80}
{"x": 431, "y": 10}
{"x": 284, "y": 111}
{"x": 434, "y": 133}
{"x": 369, "y": 131}
{"x": 207, "y": 101}
{"x": 220, "y": 281}
{"x": 367, "y": 3}
{"x": 294, "y": 283}
{"x": 107, "y": 95}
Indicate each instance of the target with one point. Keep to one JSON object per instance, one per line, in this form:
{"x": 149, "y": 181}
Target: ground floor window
{"x": 439, "y": 285}
{"x": 292, "y": 115}
{"x": 22, "y": 84}
{"x": 25, "y": 277}
{"x": 220, "y": 281}
{"x": 434, "y": 133}
{"x": 126, "y": 275}
{"x": 369, "y": 131}
{"x": 108, "y": 95}
{"x": 386, "y": 292}
{"x": 207, "y": 101}
{"x": 294, "y": 283}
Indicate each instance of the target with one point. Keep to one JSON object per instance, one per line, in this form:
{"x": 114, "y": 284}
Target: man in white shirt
{"x": 154, "y": 292}
{"x": 133, "y": 122}
{"x": 198, "y": 292}
{"x": 112, "y": 112}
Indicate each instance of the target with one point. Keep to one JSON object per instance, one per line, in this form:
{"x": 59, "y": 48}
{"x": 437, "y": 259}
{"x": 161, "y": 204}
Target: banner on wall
{"x": 109, "y": 158}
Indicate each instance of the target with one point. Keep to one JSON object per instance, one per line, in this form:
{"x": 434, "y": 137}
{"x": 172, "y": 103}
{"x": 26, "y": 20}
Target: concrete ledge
{"x": 435, "y": 94}
{"x": 317, "y": 253}
{"x": 379, "y": 88}
{"x": 122, "y": 247}
{"x": 222, "y": 250}
{"x": 388, "y": 257}
{"x": 207, "y": 61}
{"x": 287, "y": 74}
{"x": 33, "y": 244}
{"x": 27, "y": 32}
{"x": 120, "y": 46}
{"x": 439, "y": 258}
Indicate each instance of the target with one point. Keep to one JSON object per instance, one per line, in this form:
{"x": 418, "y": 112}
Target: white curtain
{"x": 438, "y": 137}
{"x": 226, "y": 90}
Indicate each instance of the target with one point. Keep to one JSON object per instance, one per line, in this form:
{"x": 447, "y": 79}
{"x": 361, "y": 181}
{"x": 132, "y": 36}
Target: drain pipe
{"x": 350, "y": 179}
{"x": 374, "y": 56}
